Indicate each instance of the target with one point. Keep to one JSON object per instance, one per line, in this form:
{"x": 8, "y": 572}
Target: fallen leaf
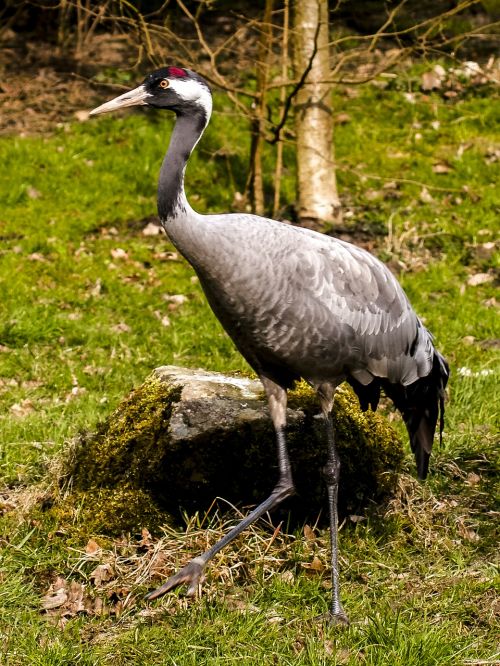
{"x": 33, "y": 193}
{"x": 425, "y": 196}
{"x": 441, "y": 167}
{"x": 492, "y": 155}
{"x": 315, "y": 565}
{"x": 431, "y": 81}
{"x": 75, "y": 599}
{"x": 119, "y": 253}
{"x": 473, "y": 479}
{"x": 235, "y": 604}
{"x": 96, "y": 288}
{"x": 23, "y": 408}
{"x": 122, "y": 327}
{"x": 165, "y": 321}
{"x": 373, "y": 195}
{"x": 36, "y": 256}
{"x": 491, "y": 302}
{"x": 166, "y": 256}
{"x": 146, "y": 538}
{"x": 81, "y": 115}
{"x": 92, "y": 547}
{"x": 309, "y": 533}
{"x": 342, "y": 118}
{"x": 151, "y": 229}
{"x": 175, "y": 299}
{"x": 101, "y": 574}
{"x": 54, "y": 599}
{"x": 479, "y": 278}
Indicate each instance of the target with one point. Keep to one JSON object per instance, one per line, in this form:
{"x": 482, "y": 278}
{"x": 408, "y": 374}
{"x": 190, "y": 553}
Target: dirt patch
{"x": 40, "y": 87}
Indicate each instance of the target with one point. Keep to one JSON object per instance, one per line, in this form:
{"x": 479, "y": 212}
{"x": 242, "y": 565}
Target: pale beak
{"x": 135, "y": 97}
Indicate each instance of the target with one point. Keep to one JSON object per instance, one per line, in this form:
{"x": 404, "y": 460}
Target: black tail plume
{"x": 421, "y": 404}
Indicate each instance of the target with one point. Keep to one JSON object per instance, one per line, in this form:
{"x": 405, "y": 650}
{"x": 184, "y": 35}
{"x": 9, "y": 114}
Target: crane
{"x": 297, "y": 304}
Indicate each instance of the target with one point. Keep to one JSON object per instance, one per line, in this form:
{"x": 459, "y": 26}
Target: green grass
{"x": 79, "y": 327}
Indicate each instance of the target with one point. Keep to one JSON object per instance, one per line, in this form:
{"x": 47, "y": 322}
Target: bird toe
{"x": 191, "y": 575}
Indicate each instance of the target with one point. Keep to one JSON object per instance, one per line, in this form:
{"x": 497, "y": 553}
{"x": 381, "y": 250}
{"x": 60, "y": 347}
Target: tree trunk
{"x": 318, "y": 200}
{"x": 258, "y": 121}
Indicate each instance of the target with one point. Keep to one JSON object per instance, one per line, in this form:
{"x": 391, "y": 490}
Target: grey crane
{"x": 297, "y": 304}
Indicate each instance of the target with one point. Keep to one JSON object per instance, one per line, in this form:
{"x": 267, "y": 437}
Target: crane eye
{"x": 164, "y": 83}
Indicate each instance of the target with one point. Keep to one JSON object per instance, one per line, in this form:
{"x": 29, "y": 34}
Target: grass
{"x": 83, "y": 295}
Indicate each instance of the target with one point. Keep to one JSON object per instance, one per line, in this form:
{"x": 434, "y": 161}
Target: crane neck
{"x": 187, "y": 131}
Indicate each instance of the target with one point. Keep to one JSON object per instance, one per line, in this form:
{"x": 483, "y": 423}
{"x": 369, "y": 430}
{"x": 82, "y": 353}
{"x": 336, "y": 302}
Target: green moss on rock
{"x": 180, "y": 440}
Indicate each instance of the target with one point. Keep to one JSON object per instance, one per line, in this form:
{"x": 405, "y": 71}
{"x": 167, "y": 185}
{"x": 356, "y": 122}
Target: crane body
{"x": 297, "y": 304}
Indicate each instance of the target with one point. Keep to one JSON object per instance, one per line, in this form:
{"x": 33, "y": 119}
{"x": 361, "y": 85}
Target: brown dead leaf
{"x": 342, "y": 118}
{"x": 54, "y": 600}
{"x": 175, "y": 299}
{"x": 96, "y": 288}
{"x": 119, "y": 253}
{"x": 101, "y": 574}
{"x": 166, "y": 256}
{"x": 431, "y": 81}
{"x": 33, "y": 193}
{"x": 425, "y": 196}
{"x": 36, "y": 256}
{"x": 373, "y": 195}
{"x": 235, "y": 604}
{"x": 75, "y": 603}
{"x": 146, "y": 538}
{"x": 92, "y": 547}
{"x": 491, "y": 303}
{"x": 441, "y": 167}
{"x": 122, "y": 327}
{"x": 473, "y": 479}
{"x": 479, "y": 278}
{"x": 309, "y": 533}
{"x": 164, "y": 320}
{"x": 492, "y": 155}
{"x": 75, "y": 392}
{"x": 81, "y": 115}
{"x": 151, "y": 229}
{"x": 23, "y": 408}
{"x": 315, "y": 565}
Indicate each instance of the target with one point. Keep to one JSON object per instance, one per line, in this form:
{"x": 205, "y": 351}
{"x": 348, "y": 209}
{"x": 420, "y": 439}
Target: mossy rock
{"x": 185, "y": 437}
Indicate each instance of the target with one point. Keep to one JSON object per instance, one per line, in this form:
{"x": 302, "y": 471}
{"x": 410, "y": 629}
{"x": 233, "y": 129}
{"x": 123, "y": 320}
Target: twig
{"x": 296, "y": 88}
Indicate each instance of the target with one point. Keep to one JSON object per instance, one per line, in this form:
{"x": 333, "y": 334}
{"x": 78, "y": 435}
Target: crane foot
{"x": 338, "y": 619}
{"x": 191, "y": 575}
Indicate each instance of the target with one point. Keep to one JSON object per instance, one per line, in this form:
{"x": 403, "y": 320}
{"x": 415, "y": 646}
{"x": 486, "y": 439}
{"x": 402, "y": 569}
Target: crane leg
{"x": 331, "y": 474}
{"x": 192, "y": 573}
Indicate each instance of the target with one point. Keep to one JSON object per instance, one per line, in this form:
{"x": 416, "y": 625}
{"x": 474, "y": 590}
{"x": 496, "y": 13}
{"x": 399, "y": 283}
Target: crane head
{"x": 174, "y": 88}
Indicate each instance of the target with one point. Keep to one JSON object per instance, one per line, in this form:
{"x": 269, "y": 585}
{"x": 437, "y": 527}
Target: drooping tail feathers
{"x": 420, "y": 403}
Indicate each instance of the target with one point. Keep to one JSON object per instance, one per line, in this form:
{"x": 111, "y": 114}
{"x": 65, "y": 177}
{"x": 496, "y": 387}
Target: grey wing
{"x": 355, "y": 313}
{"x": 317, "y": 306}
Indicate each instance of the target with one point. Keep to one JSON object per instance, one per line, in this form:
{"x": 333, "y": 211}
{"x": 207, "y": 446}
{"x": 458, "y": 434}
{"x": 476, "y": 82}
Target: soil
{"x": 40, "y": 87}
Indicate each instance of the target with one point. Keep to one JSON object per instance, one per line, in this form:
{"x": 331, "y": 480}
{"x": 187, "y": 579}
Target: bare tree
{"x": 248, "y": 60}
{"x": 318, "y": 200}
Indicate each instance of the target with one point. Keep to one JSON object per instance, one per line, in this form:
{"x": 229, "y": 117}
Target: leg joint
{"x": 331, "y": 472}
{"x": 284, "y": 488}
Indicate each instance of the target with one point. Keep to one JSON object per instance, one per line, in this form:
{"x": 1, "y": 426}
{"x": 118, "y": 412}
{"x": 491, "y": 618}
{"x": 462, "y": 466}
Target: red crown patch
{"x": 176, "y": 71}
